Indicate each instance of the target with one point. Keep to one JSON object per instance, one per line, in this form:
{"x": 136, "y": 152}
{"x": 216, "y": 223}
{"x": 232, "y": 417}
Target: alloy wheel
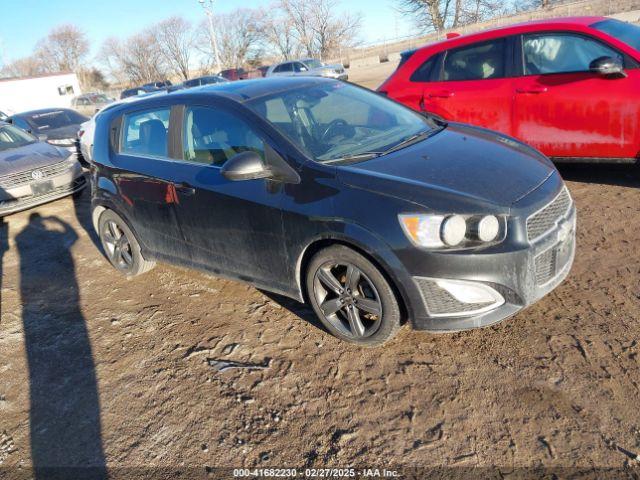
{"x": 117, "y": 246}
{"x": 348, "y": 299}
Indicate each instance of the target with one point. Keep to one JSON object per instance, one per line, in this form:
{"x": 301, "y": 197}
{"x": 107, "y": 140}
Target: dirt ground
{"x": 99, "y": 370}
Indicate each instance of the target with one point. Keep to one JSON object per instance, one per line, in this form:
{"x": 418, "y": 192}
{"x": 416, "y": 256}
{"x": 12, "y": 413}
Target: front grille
{"x": 23, "y": 178}
{"x": 440, "y": 302}
{"x": 550, "y": 263}
{"x": 545, "y": 219}
{"x": 24, "y": 202}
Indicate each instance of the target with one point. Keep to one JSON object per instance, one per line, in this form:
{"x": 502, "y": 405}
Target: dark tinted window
{"x": 145, "y": 133}
{"x": 192, "y": 83}
{"x": 21, "y": 123}
{"x": 299, "y": 67}
{"x": 424, "y": 71}
{"x": 285, "y": 67}
{"x": 49, "y": 120}
{"x": 212, "y": 136}
{"x": 562, "y": 53}
{"x": 476, "y": 62}
{"x": 625, "y": 32}
{"x": 405, "y": 56}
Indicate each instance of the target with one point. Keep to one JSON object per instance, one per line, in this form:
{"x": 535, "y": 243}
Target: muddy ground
{"x": 99, "y": 370}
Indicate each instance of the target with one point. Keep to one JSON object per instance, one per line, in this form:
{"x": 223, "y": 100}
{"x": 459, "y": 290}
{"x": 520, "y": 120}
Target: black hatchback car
{"x": 331, "y": 194}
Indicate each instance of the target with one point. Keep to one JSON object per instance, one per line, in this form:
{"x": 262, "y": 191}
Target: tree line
{"x": 176, "y": 47}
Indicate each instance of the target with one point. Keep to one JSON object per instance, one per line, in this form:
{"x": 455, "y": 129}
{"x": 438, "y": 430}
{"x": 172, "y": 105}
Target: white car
{"x": 307, "y": 67}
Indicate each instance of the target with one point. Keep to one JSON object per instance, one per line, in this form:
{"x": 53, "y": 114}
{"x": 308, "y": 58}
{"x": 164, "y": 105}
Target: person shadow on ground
{"x": 66, "y": 440}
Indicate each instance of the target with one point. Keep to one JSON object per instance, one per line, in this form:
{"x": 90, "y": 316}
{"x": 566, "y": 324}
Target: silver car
{"x": 33, "y": 172}
{"x": 307, "y": 67}
{"x": 91, "y": 103}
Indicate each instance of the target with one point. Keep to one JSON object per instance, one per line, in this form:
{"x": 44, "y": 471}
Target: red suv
{"x": 570, "y": 87}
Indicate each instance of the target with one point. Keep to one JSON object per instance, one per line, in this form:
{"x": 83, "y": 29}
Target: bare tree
{"x": 240, "y": 35}
{"x": 318, "y": 27}
{"x": 431, "y": 14}
{"x": 175, "y": 41}
{"x": 63, "y": 49}
{"x": 279, "y": 35}
{"x": 137, "y": 59}
{"x": 23, "y": 67}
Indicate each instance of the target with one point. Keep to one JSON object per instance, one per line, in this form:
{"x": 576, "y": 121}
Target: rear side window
{"x": 212, "y": 136}
{"x": 145, "y": 133}
{"x": 423, "y": 72}
{"x": 481, "y": 61}
{"x": 562, "y": 53}
{"x": 285, "y": 67}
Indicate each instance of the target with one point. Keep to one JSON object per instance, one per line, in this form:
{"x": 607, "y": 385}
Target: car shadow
{"x": 623, "y": 175}
{"x": 65, "y": 428}
{"x": 301, "y": 310}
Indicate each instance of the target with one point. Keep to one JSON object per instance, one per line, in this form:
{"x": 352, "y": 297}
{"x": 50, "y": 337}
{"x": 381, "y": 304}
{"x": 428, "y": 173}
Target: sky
{"x": 26, "y": 21}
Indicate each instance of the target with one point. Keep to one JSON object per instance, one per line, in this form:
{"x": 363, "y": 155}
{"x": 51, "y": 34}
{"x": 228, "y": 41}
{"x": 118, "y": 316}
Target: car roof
{"x": 515, "y": 28}
{"x": 246, "y": 90}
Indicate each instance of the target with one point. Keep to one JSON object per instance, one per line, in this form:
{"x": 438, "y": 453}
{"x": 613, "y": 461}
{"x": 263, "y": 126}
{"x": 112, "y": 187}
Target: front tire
{"x": 351, "y": 297}
{"x": 121, "y": 246}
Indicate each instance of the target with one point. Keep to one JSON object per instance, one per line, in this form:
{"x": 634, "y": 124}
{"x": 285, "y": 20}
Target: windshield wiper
{"x": 358, "y": 157}
{"x": 413, "y": 139}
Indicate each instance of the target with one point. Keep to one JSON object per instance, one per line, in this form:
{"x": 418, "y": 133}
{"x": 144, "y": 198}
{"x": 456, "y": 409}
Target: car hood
{"x": 30, "y": 156}
{"x": 460, "y": 161}
{"x": 68, "y": 131}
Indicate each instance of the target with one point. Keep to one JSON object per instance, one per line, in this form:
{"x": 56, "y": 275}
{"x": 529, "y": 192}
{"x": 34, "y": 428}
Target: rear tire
{"x": 351, "y": 297}
{"x": 121, "y": 246}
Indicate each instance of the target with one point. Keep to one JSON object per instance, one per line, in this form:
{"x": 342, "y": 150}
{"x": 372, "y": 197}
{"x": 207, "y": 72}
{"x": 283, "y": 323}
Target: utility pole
{"x": 207, "y": 6}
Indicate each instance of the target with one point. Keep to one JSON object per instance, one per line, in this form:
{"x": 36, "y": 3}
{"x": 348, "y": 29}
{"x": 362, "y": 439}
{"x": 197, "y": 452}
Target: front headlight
{"x": 453, "y": 231}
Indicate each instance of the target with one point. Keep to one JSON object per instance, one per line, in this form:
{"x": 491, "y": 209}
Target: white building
{"x": 42, "y": 91}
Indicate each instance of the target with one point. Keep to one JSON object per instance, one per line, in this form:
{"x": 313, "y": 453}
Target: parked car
{"x": 90, "y": 103}
{"x": 34, "y": 172}
{"x": 158, "y": 85}
{"x": 58, "y": 126}
{"x": 307, "y": 67}
{"x": 233, "y": 74}
{"x": 569, "y": 87}
{"x": 323, "y": 191}
{"x": 148, "y": 88}
{"x": 205, "y": 80}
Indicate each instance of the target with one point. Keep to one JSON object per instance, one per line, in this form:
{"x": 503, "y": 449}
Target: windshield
{"x": 12, "y": 137}
{"x": 333, "y": 121}
{"x": 313, "y": 63}
{"x": 55, "y": 119}
{"x": 625, "y": 32}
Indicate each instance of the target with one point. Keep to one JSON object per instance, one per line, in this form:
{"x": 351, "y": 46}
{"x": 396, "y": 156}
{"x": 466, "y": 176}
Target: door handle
{"x": 533, "y": 90}
{"x": 441, "y": 94}
{"x": 184, "y": 188}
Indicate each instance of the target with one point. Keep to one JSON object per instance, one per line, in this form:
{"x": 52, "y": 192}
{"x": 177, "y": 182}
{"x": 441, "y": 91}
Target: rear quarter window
{"x": 145, "y": 133}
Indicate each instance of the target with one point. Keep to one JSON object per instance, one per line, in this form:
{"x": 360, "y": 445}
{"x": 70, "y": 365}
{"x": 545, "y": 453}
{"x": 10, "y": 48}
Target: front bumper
{"x": 520, "y": 272}
{"x": 27, "y": 195}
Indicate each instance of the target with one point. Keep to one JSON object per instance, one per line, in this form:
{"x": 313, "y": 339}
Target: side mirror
{"x": 245, "y": 166}
{"x": 251, "y": 166}
{"x": 608, "y": 67}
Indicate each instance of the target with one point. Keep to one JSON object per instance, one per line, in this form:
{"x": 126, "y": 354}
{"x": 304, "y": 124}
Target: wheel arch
{"x": 324, "y": 242}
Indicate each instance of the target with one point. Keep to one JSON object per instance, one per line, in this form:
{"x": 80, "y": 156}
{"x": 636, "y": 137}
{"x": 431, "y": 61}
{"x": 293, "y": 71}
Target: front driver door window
{"x": 231, "y": 227}
{"x": 564, "y": 109}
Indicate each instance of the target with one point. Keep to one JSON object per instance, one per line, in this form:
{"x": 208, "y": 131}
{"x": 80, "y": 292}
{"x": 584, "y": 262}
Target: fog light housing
{"x": 470, "y": 292}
